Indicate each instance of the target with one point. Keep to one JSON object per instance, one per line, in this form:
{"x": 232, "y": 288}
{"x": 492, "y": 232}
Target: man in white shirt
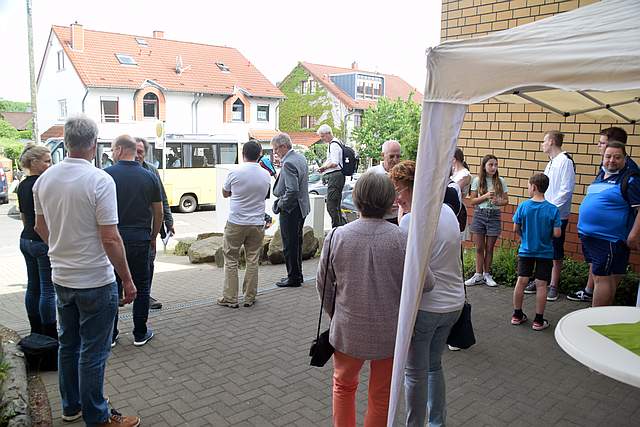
{"x": 391, "y": 152}
{"x": 562, "y": 178}
{"x": 247, "y": 186}
{"x": 331, "y": 172}
{"x": 77, "y": 216}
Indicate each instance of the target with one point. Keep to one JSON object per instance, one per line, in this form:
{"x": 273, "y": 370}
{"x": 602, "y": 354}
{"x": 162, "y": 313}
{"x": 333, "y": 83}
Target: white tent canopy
{"x": 584, "y": 61}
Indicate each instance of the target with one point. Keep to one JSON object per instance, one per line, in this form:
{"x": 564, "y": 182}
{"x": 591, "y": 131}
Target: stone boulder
{"x": 183, "y": 245}
{"x": 310, "y": 246}
{"x": 205, "y": 250}
{"x": 203, "y": 236}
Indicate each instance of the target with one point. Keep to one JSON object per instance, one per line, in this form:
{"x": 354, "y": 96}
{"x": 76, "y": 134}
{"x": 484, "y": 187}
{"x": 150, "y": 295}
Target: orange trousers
{"x": 346, "y": 373}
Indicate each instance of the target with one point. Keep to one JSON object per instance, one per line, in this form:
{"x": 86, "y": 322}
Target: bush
{"x": 574, "y": 274}
{"x": 12, "y": 148}
{"x": 25, "y": 134}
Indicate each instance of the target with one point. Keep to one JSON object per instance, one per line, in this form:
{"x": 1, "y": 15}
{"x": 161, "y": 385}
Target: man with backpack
{"x": 562, "y": 179}
{"x": 333, "y": 175}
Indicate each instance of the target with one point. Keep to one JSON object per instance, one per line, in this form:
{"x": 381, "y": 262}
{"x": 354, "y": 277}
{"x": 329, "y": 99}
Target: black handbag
{"x": 321, "y": 349}
{"x": 461, "y": 334}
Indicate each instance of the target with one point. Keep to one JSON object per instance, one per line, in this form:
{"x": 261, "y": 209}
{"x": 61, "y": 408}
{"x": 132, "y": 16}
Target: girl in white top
{"x": 440, "y": 306}
{"x": 460, "y": 172}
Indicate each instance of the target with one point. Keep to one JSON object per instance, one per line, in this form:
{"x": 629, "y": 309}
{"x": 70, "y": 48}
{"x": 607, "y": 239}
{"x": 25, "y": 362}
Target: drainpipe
{"x": 194, "y": 112}
{"x": 86, "y": 92}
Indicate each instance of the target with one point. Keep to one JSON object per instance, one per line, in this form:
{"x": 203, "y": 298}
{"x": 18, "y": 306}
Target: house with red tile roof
{"x": 337, "y": 96}
{"x": 127, "y": 83}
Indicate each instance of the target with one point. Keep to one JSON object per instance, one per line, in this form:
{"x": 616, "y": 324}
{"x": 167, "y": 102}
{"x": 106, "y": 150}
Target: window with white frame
{"x": 357, "y": 120}
{"x": 237, "y": 114}
{"x": 369, "y": 87}
{"x": 263, "y": 113}
{"x": 60, "y": 60}
{"x": 109, "y": 110}
{"x": 307, "y": 122}
{"x": 62, "y": 109}
{"x": 303, "y": 87}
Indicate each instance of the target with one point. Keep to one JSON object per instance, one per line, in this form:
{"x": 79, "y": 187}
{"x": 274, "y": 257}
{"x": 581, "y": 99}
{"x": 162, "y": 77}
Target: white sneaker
{"x": 452, "y": 348}
{"x": 476, "y": 279}
{"x": 488, "y": 280}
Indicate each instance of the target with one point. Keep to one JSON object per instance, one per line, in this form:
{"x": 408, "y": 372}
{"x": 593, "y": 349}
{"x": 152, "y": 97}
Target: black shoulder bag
{"x": 321, "y": 349}
{"x": 461, "y": 334}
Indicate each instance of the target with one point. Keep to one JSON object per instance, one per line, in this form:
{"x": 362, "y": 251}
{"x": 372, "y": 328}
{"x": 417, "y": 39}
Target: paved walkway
{"x": 211, "y": 365}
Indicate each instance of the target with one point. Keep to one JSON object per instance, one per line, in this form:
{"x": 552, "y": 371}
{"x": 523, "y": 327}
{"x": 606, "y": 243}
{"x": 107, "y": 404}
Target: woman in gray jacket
{"x": 366, "y": 262}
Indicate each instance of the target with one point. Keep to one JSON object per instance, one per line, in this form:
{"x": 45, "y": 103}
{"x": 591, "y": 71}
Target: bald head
{"x": 390, "y": 154}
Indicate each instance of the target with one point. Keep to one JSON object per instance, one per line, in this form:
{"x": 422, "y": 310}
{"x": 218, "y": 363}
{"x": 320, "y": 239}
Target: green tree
{"x": 12, "y": 148}
{"x": 7, "y": 131}
{"x": 389, "y": 119}
{"x": 14, "y": 106}
{"x": 316, "y": 154}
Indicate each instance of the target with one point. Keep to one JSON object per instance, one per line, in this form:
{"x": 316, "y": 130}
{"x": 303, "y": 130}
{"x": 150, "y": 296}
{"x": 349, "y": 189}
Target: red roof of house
{"x": 56, "y": 131}
{"x": 263, "y": 134}
{"x": 394, "y": 86}
{"x": 98, "y": 66}
{"x": 304, "y": 138}
{"x": 18, "y": 120}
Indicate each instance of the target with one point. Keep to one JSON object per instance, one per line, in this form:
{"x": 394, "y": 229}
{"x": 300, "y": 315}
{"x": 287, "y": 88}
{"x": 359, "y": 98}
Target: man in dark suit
{"x": 291, "y": 189}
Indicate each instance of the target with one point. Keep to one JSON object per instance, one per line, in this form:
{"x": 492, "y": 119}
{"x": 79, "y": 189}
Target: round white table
{"x": 596, "y": 351}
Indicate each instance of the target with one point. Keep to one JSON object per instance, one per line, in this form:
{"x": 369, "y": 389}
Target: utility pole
{"x": 32, "y": 73}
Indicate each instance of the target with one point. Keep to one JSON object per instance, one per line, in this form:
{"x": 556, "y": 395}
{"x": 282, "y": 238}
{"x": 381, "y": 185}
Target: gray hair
{"x": 32, "y": 152}
{"x": 387, "y": 144}
{"x": 80, "y": 133}
{"x": 282, "y": 139}
{"x": 324, "y": 129}
{"x": 126, "y": 142}
{"x": 373, "y": 195}
{"x": 144, "y": 142}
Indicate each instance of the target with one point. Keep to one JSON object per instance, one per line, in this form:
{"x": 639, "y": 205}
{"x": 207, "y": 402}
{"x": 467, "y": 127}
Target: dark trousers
{"x": 335, "y": 185}
{"x": 291, "y": 229}
{"x": 138, "y": 259}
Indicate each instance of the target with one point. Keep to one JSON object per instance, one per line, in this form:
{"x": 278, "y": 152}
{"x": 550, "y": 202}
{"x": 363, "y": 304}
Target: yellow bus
{"x": 187, "y": 168}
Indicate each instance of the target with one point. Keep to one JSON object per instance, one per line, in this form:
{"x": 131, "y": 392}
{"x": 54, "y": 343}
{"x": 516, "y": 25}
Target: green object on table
{"x": 625, "y": 334}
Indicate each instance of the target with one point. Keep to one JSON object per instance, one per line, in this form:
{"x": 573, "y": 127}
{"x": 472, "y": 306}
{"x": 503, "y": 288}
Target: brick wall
{"x": 138, "y": 112}
{"x": 514, "y": 132}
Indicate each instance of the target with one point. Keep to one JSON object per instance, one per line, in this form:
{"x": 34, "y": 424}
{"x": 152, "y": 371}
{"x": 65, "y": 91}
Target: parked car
{"x": 318, "y": 187}
{"x": 4, "y": 187}
{"x": 347, "y": 206}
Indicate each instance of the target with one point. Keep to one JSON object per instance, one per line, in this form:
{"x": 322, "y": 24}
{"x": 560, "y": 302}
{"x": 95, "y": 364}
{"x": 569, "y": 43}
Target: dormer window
{"x": 150, "y": 106}
{"x": 223, "y": 67}
{"x": 126, "y": 59}
{"x": 237, "y": 114}
{"x": 369, "y": 87}
{"x": 142, "y": 42}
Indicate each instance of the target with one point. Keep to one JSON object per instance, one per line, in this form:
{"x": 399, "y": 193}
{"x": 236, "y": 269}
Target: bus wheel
{"x": 188, "y": 204}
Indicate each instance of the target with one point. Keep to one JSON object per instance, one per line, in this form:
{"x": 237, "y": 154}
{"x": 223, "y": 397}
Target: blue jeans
{"x": 423, "y": 377}
{"x": 40, "y": 298}
{"x": 139, "y": 260}
{"x": 86, "y": 319}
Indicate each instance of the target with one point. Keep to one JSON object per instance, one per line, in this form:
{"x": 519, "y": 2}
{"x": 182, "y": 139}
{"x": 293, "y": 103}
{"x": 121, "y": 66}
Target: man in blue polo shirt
{"x": 607, "y": 224}
{"x": 139, "y": 206}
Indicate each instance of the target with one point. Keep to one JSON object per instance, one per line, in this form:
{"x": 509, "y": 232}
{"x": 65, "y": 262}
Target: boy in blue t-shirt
{"x": 537, "y": 222}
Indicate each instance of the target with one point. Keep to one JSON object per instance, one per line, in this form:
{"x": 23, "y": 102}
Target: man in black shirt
{"x": 139, "y": 206}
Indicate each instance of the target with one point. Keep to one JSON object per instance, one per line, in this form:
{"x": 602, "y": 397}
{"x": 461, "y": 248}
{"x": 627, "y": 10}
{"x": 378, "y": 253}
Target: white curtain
{"x": 441, "y": 123}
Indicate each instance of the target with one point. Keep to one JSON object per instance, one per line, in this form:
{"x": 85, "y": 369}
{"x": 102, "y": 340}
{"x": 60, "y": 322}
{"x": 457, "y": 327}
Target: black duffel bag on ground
{"x": 40, "y": 352}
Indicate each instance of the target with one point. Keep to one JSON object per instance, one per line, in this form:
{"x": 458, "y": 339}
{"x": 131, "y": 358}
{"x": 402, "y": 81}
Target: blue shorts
{"x": 606, "y": 258}
{"x": 486, "y": 221}
{"x": 558, "y": 242}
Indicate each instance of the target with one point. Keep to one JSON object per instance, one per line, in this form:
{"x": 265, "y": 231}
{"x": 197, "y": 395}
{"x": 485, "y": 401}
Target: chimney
{"x": 77, "y": 37}
{"x": 158, "y": 34}
{"x": 354, "y": 65}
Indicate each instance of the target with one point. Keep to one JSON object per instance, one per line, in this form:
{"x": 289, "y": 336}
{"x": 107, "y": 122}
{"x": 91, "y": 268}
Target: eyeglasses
{"x": 399, "y": 191}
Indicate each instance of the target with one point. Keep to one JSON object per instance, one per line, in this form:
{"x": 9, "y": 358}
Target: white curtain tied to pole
{"x": 586, "y": 61}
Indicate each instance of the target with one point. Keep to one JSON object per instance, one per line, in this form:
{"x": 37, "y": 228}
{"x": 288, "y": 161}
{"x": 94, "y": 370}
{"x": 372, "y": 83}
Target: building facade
{"x": 514, "y": 132}
{"x": 128, "y": 83}
{"x": 318, "y": 94}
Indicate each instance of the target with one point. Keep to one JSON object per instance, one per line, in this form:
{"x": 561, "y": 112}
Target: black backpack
{"x": 350, "y": 159}
{"x": 451, "y": 198}
{"x": 40, "y": 352}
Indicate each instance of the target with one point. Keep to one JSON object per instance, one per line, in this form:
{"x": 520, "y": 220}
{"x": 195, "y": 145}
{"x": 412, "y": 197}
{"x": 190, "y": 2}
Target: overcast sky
{"x": 390, "y": 37}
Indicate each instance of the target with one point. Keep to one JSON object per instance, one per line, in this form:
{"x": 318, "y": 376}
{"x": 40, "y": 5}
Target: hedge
{"x": 573, "y": 277}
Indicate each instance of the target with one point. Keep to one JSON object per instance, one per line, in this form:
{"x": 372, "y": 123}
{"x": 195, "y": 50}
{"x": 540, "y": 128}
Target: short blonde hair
{"x": 32, "y": 152}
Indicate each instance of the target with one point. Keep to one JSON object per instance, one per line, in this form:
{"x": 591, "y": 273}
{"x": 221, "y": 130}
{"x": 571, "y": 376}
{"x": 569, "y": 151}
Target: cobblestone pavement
{"x": 216, "y": 366}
